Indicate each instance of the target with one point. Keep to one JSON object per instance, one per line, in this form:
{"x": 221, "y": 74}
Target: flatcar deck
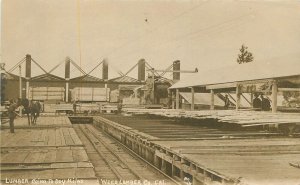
{"x": 210, "y": 155}
{"x": 49, "y": 153}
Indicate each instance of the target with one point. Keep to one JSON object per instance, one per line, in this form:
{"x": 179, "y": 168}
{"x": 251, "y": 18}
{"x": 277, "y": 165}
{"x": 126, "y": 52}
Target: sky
{"x": 202, "y": 34}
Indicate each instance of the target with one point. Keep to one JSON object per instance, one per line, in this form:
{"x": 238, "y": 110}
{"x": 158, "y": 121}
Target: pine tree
{"x": 245, "y": 56}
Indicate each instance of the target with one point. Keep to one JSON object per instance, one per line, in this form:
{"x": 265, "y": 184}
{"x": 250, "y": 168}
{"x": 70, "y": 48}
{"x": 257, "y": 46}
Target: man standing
{"x": 256, "y": 102}
{"x": 265, "y": 104}
{"x": 12, "y": 114}
{"x": 227, "y": 102}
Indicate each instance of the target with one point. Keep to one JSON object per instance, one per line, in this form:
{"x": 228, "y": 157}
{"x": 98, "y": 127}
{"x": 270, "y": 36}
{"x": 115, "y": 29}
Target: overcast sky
{"x": 202, "y": 34}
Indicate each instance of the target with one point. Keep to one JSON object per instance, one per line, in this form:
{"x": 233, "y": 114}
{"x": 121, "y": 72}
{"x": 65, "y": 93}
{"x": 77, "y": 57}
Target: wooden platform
{"x": 253, "y": 161}
{"x": 51, "y": 150}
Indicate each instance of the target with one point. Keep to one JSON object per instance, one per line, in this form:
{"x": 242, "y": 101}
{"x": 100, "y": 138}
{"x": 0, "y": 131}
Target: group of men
{"x": 261, "y": 103}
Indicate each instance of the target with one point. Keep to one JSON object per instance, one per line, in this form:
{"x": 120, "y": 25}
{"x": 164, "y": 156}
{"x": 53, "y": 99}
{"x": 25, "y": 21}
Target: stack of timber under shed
{"x": 243, "y": 118}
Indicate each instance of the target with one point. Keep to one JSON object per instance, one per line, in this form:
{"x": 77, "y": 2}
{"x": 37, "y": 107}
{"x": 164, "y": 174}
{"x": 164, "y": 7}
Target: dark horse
{"x": 32, "y": 109}
{"x": 35, "y": 111}
{"x": 25, "y": 103}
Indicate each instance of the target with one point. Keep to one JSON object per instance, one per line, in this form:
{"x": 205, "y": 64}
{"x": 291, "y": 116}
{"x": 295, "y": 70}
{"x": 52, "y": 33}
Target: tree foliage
{"x": 245, "y": 56}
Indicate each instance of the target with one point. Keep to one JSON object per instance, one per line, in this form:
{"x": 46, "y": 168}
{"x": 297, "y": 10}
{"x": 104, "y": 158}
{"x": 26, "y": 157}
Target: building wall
{"x": 12, "y": 89}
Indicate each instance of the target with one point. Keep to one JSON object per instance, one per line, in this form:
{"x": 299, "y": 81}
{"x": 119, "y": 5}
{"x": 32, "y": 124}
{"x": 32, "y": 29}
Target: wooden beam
{"x": 177, "y": 98}
{"x": 221, "y": 86}
{"x": 274, "y": 96}
{"x": 238, "y": 98}
{"x": 212, "y": 99}
{"x": 289, "y": 89}
{"x": 193, "y": 99}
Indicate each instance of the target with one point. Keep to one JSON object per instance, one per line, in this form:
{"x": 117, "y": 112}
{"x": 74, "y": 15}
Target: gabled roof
{"x": 242, "y": 72}
{"x": 47, "y": 77}
{"x": 87, "y": 78}
{"x": 10, "y": 76}
{"x": 124, "y": 79}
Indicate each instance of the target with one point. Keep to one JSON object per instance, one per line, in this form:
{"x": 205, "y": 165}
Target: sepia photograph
{"x": 150, "y": 92}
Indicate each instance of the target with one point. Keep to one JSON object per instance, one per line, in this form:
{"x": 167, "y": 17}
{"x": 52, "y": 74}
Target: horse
{"x": 35, "y": 111}
{"x": 26, "y": 104}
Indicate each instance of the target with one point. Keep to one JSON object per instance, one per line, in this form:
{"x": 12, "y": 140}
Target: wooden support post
{"x": 193, "y": 99}
{"x": 27, "y": 88}
{"x": 274, "y": 96}
{"x": 177, "y": 98}
{"x": 156, "y": 161}
{"x": 251, "y": 96}
{"x": 67, "y": 91}
{"x": 212, "y": 99}
{"x": 20, "y": 87}
{"x": 238, "y": 98}
{"x": 163, "y": 166}
{"x": 106, "y": 93}
{"x": 173, "y": 102}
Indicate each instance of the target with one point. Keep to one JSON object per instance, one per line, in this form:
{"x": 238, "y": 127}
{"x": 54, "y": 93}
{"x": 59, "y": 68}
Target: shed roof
{"x": 242, "y": 72}
{"x": 10, "y": 76}
{"x": 47, "y": 77}
{"x": 87, "y": 78}
{"x": 125, "y": 79}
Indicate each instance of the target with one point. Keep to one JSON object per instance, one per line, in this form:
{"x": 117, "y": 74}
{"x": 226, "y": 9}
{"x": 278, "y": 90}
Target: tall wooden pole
{"x": 20, "y": 81}
{"x": 274, "y": 96}
{"x": 238, "y": 98}
{"x": 212, "y": 99}
{"x": 193, "y": 99}
{"x": 20, "y": 86}
{"x": 177, "y": 98}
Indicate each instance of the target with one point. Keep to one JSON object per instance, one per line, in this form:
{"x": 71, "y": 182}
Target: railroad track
{"x": 112, "y": 161}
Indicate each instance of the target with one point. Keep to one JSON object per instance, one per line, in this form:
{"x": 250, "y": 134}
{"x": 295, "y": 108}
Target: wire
{"x": 15, "y": 66}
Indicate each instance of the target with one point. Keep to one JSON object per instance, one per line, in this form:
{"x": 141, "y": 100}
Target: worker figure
{"x": 265, "y": 104}
{"x": 74, "y": 107}
{"x": 227, "y": 102}
{"x": 12, "y": 114}
{"x": 256, "y": 102}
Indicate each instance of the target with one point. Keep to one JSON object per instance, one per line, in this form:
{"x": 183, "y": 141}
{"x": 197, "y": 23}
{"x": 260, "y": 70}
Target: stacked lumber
{"x": 245, "y": 118}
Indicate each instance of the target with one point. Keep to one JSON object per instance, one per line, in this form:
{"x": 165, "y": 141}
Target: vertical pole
{"x": 153, "y": 87}
{"x": 177, "y": 98}
{"x": 238, "y": 97}
{"x": 20, "y": 82}
{"x": 173, "y": 102}
{"x": 106, "y": 93}
{"x": 20, "y": 86}
{"x": 193, "y": 99}
{"x": 67, "y": 77}
{"x": 251, "y": 96}
{"x": 212, "y": 99}
{"x": 67, "y": 91}
{"x": 274, "y": 96}
{"x": 27, "y": 88}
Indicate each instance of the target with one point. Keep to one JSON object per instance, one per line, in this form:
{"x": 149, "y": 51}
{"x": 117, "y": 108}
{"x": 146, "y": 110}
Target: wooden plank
{"x": 85, "y": 173}
{"x": 50, "y": 156}
{"x": 221, "y": 86}
{"x": 15, "y": 157}
{"x": 75, "y": 137}
{"x": 64, "y": 173}
{"x": 57, "y": 138}
{"x": 79, "y": 155}
{"x": 51, "y": 137}
{"x": 64, "y": 155}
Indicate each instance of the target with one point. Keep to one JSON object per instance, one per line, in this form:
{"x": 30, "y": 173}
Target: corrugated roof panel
{"x": 125, "y": 79}
{"x": 87, "y": 78}
{"x": 47, "y": 77}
